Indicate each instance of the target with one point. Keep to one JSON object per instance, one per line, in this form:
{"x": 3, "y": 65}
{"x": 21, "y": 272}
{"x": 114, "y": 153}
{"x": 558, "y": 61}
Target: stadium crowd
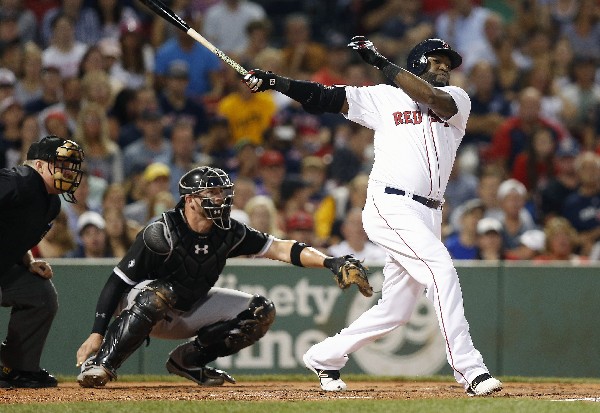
{"x": 147, "y": 103}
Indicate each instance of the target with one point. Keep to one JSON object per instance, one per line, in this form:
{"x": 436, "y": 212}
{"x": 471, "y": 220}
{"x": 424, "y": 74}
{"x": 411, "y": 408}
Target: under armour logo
{"x": 272, "y": 82}
{"x": 101, "y": 315}
{"x": 204, "y": 249}
{"x": 130, "y": 263}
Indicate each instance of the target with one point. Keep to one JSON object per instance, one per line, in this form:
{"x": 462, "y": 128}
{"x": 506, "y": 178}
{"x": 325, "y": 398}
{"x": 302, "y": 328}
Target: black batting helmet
{"x": 416, "y": 63}
{"x": 64, "y": 159}
{"x": 206, "y": 177}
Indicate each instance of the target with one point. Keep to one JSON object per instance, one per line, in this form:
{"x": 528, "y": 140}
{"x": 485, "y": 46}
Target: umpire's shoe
{"x": 95, "y": 375}
{"x": 26, "y": 379}
{"x": 330, "y": 379}
{"x": 203, "y": 375}
{"x": 483, "y": 385}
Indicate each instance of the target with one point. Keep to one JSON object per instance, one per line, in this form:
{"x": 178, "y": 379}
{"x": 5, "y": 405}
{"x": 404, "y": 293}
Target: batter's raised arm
{"x": 429, "y": 65}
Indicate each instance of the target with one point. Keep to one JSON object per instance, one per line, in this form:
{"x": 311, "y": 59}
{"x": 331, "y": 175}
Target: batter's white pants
{"x": 416, "y": 259}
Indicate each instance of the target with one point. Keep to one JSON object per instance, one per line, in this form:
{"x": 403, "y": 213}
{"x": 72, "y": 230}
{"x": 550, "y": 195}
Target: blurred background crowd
{"x": 147, "y": 103}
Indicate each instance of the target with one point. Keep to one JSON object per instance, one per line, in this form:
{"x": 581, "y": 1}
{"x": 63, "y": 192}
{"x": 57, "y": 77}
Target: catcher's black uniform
{"x": 27, "y": 213}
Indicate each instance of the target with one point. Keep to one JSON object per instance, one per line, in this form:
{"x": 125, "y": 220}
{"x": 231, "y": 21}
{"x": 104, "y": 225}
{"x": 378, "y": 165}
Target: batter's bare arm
{"x": 415, "y": 87}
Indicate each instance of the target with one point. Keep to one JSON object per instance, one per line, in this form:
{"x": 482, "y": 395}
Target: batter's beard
{"x": 432, "y": 79}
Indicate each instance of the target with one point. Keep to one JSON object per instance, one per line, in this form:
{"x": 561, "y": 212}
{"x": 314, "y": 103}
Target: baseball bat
{"x": 169, "y": 15}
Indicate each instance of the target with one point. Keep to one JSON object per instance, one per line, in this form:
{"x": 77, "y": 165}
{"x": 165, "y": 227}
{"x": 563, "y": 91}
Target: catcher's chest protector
{"x": 196, "y": 262}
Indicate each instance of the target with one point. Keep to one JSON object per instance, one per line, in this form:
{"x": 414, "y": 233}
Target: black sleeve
{"x": 108, "y": 301}
{"x": 251, "y": 241}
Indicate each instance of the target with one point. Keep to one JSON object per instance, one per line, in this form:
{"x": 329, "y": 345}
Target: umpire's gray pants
{"x": 34, "y": 303}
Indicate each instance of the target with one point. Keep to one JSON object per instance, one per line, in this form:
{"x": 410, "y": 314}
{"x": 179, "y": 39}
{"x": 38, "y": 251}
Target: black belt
{"x": 428, "y": 202}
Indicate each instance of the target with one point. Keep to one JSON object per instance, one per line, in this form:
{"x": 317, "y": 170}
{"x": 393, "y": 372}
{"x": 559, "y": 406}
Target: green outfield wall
{"x": 527, "y": 320}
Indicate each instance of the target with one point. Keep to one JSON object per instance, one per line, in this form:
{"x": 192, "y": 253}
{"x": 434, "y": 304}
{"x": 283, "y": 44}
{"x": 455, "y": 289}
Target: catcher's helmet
{"x": 206, "y": 177}
{"x": 416, "y": 63}
{"x": 64, "y": 159}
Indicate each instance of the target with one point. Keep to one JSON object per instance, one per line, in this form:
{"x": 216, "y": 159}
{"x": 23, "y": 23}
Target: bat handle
{"x": 200, "y": 39}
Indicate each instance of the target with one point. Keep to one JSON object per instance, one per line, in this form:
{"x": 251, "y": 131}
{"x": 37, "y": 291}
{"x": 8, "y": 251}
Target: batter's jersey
{"x": 27, "y": 210}
{"x": 195, "y": 261}
{"x": 414, "y": 148}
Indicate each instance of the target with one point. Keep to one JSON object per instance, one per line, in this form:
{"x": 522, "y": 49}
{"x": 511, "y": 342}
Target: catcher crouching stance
{"x": 164, "y": 286}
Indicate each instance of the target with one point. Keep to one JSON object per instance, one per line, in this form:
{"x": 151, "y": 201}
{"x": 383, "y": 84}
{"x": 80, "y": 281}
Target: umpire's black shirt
{"x": 26, "y": 211}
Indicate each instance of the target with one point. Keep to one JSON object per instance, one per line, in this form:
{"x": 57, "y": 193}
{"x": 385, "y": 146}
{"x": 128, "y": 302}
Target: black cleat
{"x": 26, "y": 379}
{"x": 203, "y": 375}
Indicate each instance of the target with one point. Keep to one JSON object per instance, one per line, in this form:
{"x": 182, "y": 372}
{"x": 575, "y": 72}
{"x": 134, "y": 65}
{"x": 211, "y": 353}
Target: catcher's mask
{"x": 64, "y": 158}
{"x": 214, "y": 188}
{"x": 416, "y": 63}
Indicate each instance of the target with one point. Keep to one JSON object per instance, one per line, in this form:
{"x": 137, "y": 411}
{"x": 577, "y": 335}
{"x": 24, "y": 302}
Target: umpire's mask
{"x": 64, "y": 159}
{"x": 210, "y": 184}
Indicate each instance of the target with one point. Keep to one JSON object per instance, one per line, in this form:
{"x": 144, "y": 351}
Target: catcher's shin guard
{"x": 132, "y": 326}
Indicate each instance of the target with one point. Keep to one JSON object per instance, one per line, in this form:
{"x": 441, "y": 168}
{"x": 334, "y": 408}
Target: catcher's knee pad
{"x": 229, "y": 337}
{"x": 153, "y": 301}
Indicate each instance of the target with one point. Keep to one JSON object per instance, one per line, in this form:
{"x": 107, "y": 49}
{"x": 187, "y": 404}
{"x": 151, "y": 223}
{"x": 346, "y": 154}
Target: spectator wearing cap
{"x": 86, "y": 25}
{"x": 356, "y": 242}
{"x": 249, "y": 114}
{"x": 561, "y": 241}
{"x": 174, "y": 103}
{"x": 462, "y": 244}
{"x": 55, "y": 122}
{"x": 515, "y": 218}
{"x": 29, "y": 85}
{"x": 11, "y": 117}
{"x": 207, "y": 78}
{"x": 64, "y": 51}
{"x": 216, "y": 145}
{"x": 272, "y": 173}
{"x": 151, "y": 146}
{"x": 300, "y": 226}
{"x": 531, "y": 245}
{"x": 137, "y": 56}
{"x": 489, "y": 240}
{"x": 582, "y": 208}
{"x": 8, "y": 81}
{"x": 91, "y": 228}
{"x": 563, "y": 183}
{"x": 156, "y": 196}
{"x": 247, "y": 160}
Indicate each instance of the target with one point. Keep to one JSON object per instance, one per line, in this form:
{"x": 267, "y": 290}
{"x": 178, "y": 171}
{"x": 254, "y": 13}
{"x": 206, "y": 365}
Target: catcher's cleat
{"x": 484, "y": 385}
{"x": 26, "y": 379}
{"x": 94, "y": 375}
{"x": 329, "y": 379}
{"x": 203, "y": 375}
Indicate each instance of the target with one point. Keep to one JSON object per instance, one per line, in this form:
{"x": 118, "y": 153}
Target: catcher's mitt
{"x": 348, "y": 270}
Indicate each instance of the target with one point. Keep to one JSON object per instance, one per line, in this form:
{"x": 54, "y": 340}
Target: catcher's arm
{"x": 347, "y": 270}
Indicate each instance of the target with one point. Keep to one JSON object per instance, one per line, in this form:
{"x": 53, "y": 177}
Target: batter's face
{"x": 438, "y": 70}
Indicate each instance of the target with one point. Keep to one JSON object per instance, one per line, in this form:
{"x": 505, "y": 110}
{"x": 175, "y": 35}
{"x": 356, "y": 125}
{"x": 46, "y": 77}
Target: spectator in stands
{"x": 272, "y": 173}
{"x": 150, "y": 147}
{"x": 175, "y": 105}
{"x": 263, "y": 215}
{"x": 462, "y": 244}
{"x": 583, "y": 32}
{"x": 322, "y": 204}
{"x": 515, "y": 134}
{"x": 120, "y": 232}
{"x": 349, "y": 196}
{"x": 51, "y": 91}
{"x": 143, "y": 100}
{"x": 582, "y": 208}
{"x": 489, "y": 240}
{"x": 356, "y": 242}
{"x": 299, "y": 226}
{"x": 463, "y": 183}
{"x": 8, "y": 81}
{"x": 29, "y": 86}
{"x": 532, "y": 243}
{"x": 11, "y": 117}
{"x": 225, "y": 23}
{"x": 217, "y": 145}
{"x": 246, "y": 160}
{"x": 86, "y": 26}
{"x": 96, "y": 88}
{"x": 25, "y": 20}
{"x": 91, "y": 228}
{"x": 55, "y": 122}
{"x": 153, "y": 202}
{"x": 30, "y": 133}
{"x": 104, "y": 157}
{"x": 184, "y": 154}
{"x": 137, "y": 56}
{"x": 92, "y": 60}
{"x": 111, "y": 14}
{"x": 258, "y": 33}
{"x": 303, "y": 56}
{"x": 514, "y": 217}
{"x": 561, "y": 242}
{"x": 245, "y": 189}
{"x": 338, "y": 56}
{"x": 64, "y": 52}
{"x": 534, "y": 167}
{"x": 58, "y": 241}
{"x": 206, "y": 66}
{"x": 350, "y": 158}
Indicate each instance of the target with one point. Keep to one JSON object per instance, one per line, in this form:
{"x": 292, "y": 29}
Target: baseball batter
{"x": 419, "y": 124}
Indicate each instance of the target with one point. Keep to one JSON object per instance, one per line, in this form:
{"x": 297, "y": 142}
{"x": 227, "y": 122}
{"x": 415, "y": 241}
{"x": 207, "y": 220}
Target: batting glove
{"x": 368, "y": 52}
{"x": 258, "y": 81}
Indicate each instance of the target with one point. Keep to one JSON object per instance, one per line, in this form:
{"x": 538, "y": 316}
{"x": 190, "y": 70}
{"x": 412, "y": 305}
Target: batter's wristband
{"x": 391, "y": 71}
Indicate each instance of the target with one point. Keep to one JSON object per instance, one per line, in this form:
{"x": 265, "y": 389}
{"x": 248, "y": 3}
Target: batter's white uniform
{"x": 414, "y": 152}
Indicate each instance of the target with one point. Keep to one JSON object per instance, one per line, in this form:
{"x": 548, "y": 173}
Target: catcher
{"x": 163, "y": 287}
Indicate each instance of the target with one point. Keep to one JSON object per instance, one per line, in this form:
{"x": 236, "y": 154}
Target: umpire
{"x": 29, "y": 203}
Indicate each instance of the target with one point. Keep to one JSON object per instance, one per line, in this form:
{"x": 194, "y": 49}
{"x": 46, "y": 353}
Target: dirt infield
{"x": 288, "y": 391}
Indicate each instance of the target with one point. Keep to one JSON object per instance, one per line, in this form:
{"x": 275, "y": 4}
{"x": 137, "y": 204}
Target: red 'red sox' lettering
{"x": 414, "y": 117}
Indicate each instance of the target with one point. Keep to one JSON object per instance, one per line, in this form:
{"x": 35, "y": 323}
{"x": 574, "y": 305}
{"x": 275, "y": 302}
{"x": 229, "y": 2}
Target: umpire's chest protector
{"x": 196, "y": 261}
